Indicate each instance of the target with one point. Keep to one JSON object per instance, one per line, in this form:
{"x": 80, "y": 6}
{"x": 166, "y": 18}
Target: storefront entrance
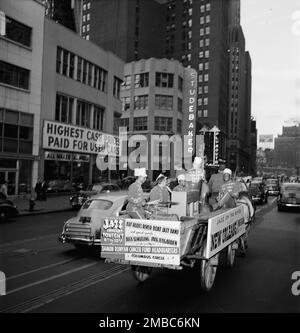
{"x": 11, "y": 177}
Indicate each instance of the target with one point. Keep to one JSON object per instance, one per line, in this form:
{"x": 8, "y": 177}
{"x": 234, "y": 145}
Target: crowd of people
{"x": 220, "y": 191}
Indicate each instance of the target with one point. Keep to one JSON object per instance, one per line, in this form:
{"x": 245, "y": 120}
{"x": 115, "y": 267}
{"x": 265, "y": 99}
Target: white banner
{"x": 70, "y": 138}
{"x": 223, "y": 229}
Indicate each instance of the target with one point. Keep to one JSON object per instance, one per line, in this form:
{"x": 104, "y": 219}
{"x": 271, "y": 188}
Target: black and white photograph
{"x": 149, "y": 161}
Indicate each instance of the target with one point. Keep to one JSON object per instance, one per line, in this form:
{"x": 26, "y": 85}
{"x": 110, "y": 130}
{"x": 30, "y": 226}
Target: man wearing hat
{"x": 181, "y": 187}
{"x": 215, "y": 182}
{"x": 160, "y": 192}
{"x": 136, "y": 200}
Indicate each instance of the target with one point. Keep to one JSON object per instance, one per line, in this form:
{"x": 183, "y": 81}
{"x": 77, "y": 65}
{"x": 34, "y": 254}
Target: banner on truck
{"x": 141, "y": 241}
{"x": 223, "y": 229}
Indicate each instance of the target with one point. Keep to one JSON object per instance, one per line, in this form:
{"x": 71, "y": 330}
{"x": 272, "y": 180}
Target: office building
{"x": 80, "y": 103}
{"x": 21, "y": 53}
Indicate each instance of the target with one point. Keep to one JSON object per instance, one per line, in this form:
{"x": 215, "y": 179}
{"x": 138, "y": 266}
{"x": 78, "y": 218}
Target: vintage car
{"x": 58, "y": 185}
{"x": 272, "y": 186}
{"x": 78, "y": 199}
{"x": 289, "y": 196}
{"x": 7, "y": 208}
{"x": 258, "y": 193}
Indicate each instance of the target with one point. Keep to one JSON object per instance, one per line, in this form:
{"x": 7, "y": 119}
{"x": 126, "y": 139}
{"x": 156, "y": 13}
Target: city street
{"x": 45, "y": 276}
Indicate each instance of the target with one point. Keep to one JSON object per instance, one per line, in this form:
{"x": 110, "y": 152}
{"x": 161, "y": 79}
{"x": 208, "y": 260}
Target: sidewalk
{"x": 51, "y": 205}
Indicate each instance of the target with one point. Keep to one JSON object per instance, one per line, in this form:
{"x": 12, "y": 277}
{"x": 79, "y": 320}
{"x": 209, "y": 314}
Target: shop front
{"x": 70, "y": 153}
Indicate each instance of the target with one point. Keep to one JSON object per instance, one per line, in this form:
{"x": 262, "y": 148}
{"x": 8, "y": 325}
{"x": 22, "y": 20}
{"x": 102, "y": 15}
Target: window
{"x": 117, "y": 87}
{"x": 200, "y": 66}
{"x": 208, "y": 6}
{"x": 208, "y": 19}
{"x": 64, "y": 109}
{"x": 205, "y": 101}
{"x": 126, "y": 83}
{"x": 100, "y": 78}
{"x": 14, "y": 75}
{"x": 59, "y": 53}
{"x": 83, "y": 114}
{"x": 163, "y": 124}
{"x": 189, "y": 57}
{"x": 16, "y": 132}
{"x": 141, "y": 80}
{"x": 205, "y": 113}
{"x": 199, "y": 101}
{"x": 206, "y": 77}
{"x": 200, "y": 90}
{"x": 201, "y": 54}
{"x": 65, "y": 62}
{"x": 164, "y": 102}
{"x": 200, "y": 78}
{"x": 88, "y": 27}
{"x": 180, "y": 83}
{"x": 207, "y": 30}
{"x": 207, "y": 42}
{"x": 98, "y": 120}
{"x": 202, "y": 20}
{"x": 190, "y": 34}
{"x": 164, "y": 80}
{"x": 179, "y": 105}
{"x": 88, "y": 17}
{"x": 140, "y": 124}
{"x": 202, "y": 8}
{"x": 206, "y": 54}
{"x": 179, "y": 125}
{"x": 72, "y": 66}
{"x": 206, "y": 89}
{"x": 117, "y": 117}
{"x": 18, "y": 32}
{"x": 126, "y": 101}
{"x": 140, "y": 102}
{"x": 124, "y": 122}
{"x": 201, "y": 43}
{"x": 87, "y": 37}
{"x": 201, "y": 31}
{"x": 83, "y": 18}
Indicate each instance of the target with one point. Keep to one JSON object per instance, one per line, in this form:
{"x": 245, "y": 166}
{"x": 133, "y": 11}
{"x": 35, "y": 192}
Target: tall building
{"x": 253, "y": 142}
{"x": 21, "y": 54}
{"x": 197, "y": 35}
{"x": 131, "y": 29}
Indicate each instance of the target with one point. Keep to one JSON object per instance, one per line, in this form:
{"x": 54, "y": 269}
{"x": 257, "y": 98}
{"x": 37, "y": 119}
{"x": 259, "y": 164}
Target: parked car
{"x": 7, "y": 209}
{"x": 85, "y": 228}
{"x": 289, "y": 196}
{"x": 79, "y": 199}
{"x": 58, "y": 185}
{"x": 258, "y": 193}
{"x": 272, "y": 186}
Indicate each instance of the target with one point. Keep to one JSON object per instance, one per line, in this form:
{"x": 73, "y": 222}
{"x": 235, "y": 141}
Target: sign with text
{"x": 65, "y": 137}
{"x": 223, "y": 229}
{"x": 141, "y": 241}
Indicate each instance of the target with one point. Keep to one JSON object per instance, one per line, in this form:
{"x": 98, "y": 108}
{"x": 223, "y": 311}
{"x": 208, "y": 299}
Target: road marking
{"x": 41, "y": 268}
{"x": 27, "y": 240}
{"x": 88, "y": 281}
{"x": 51, "y": 278}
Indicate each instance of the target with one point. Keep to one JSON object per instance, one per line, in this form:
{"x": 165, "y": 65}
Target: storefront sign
{"x": 141, "y": 241}
{"x": 64, "y": 137}
{"x": 223, "y": 229}
{"x": 53, "y": 156}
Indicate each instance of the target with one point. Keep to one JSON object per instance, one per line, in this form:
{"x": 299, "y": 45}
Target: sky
{"x": 272, "y": 33}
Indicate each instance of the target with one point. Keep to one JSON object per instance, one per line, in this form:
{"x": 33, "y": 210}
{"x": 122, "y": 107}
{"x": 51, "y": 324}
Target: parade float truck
{"x": 174, "y": 243}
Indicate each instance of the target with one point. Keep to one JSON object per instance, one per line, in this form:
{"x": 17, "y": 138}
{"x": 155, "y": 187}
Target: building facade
{"x": 80, "y": 105}
{"x": 155, "y": 100}
{"x": 287, "y": 148}
{"x": 21, "y": 53}
{"x": 131, "y": 29}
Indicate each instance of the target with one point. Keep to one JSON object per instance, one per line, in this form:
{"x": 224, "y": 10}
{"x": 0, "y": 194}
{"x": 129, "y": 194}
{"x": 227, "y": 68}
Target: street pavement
{"x": 45, "y": 276}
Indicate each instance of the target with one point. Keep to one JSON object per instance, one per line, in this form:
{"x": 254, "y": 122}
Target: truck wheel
{"x": 208, "y": 272}
{"x": 141, "y": 273}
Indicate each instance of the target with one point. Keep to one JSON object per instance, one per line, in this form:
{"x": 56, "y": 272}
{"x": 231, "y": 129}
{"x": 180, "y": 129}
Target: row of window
{"x": 203, "y": 66}
{"x": 162, "y": 124}
{"x": 205, "y": 19}
{"x": 163, "y": 80}
{"x": 204, "y": 31}
{"x": 16, "y": 132}
{"x": 204, "y": 8}
{"x": 202, "y": 113}
{"x": 77, "y": 68}
{"x": 162, "y": 102}
{"x": 14, "y": 75}
{"x": 64, "y": 111}
{"x": 86, "y": 6}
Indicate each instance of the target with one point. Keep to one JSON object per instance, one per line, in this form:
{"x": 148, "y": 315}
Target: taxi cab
{"x": 289, "y": 196}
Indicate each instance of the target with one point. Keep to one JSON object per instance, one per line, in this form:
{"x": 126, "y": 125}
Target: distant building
{"x": 253, "y": 141}
{"x": 287, "y": 148}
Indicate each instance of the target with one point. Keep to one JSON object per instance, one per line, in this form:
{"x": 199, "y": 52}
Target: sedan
{"x": 289, "y": 196}
{"x": 7, "y": 208}
{"x": 85, "y": 228}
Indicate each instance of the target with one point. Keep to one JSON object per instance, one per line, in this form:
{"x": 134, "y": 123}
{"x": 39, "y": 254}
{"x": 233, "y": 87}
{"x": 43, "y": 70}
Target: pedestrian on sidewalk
{"x": 38, "y": 189}
{"x": 44, "y": 188}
